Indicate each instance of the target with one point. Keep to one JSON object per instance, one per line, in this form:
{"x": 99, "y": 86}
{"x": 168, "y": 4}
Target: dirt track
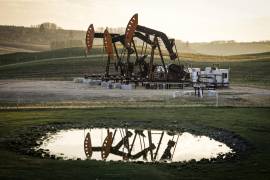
{"x": 30, "y": 91}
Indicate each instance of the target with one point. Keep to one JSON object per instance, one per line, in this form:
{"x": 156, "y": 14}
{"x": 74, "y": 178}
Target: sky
{"x": 188, "y": 20}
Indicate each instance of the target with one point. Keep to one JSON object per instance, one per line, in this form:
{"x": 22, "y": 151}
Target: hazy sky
{"x": 192, "y": 20}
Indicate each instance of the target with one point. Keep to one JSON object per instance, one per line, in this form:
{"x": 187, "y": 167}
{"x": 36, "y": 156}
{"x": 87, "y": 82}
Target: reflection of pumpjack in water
{"x": 107, "y": 147}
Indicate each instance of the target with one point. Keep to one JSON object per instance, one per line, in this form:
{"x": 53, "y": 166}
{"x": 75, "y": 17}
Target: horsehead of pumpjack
{"x": 130, "y": 30}
{"x": 90, "y": 34}
{"x": 107, "y": 41}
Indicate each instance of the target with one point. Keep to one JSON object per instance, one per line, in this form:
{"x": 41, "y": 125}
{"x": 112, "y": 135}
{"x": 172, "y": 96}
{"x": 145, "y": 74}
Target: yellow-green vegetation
{"x": 44, "y": 37}
{"x": 234, "y": 58}
{"x": 250, "y": 123}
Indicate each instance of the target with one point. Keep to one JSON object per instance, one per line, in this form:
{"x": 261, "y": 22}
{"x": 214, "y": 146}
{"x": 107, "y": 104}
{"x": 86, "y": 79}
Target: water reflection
{"x": 132, "y": 145}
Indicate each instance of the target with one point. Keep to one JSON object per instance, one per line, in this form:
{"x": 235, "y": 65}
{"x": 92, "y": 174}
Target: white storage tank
{"x": 195, "y": 74}
{"x": 225, "y": 76}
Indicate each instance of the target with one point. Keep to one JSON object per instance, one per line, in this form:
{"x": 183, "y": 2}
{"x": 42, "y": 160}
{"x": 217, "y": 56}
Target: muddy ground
{"x": 62, "y": 93}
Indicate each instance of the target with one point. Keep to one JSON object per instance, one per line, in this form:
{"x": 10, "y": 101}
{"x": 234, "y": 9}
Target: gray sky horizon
{"x": 188, "y": 20}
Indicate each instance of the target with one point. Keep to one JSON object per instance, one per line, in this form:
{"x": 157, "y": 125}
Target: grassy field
{"x": 251, "y": 123}
{"x": 67, "y": 63}
{"x": 20, "y": 57}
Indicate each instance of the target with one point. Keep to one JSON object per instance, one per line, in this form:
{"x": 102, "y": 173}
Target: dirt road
{"x": 33, "y": 91}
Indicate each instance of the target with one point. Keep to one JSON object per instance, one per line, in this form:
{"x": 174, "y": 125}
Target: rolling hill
{"x": 68, "y": 63}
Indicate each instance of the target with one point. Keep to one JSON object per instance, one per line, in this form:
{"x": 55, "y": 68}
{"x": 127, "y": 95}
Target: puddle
{"x": 131, "y": 145}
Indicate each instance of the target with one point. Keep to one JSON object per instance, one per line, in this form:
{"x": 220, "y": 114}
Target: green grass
{"x": 54, "y": 68}
{"x": 252, "y": 69}
{"x": 251, "y": 123}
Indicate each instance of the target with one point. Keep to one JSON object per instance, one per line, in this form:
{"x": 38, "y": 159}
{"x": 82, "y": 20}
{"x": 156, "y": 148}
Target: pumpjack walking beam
{"x": 169, "y": 43}
{"x": 134, "y": 29}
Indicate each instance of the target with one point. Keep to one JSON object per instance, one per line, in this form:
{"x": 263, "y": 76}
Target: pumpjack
{"x": 141, "y": 68}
